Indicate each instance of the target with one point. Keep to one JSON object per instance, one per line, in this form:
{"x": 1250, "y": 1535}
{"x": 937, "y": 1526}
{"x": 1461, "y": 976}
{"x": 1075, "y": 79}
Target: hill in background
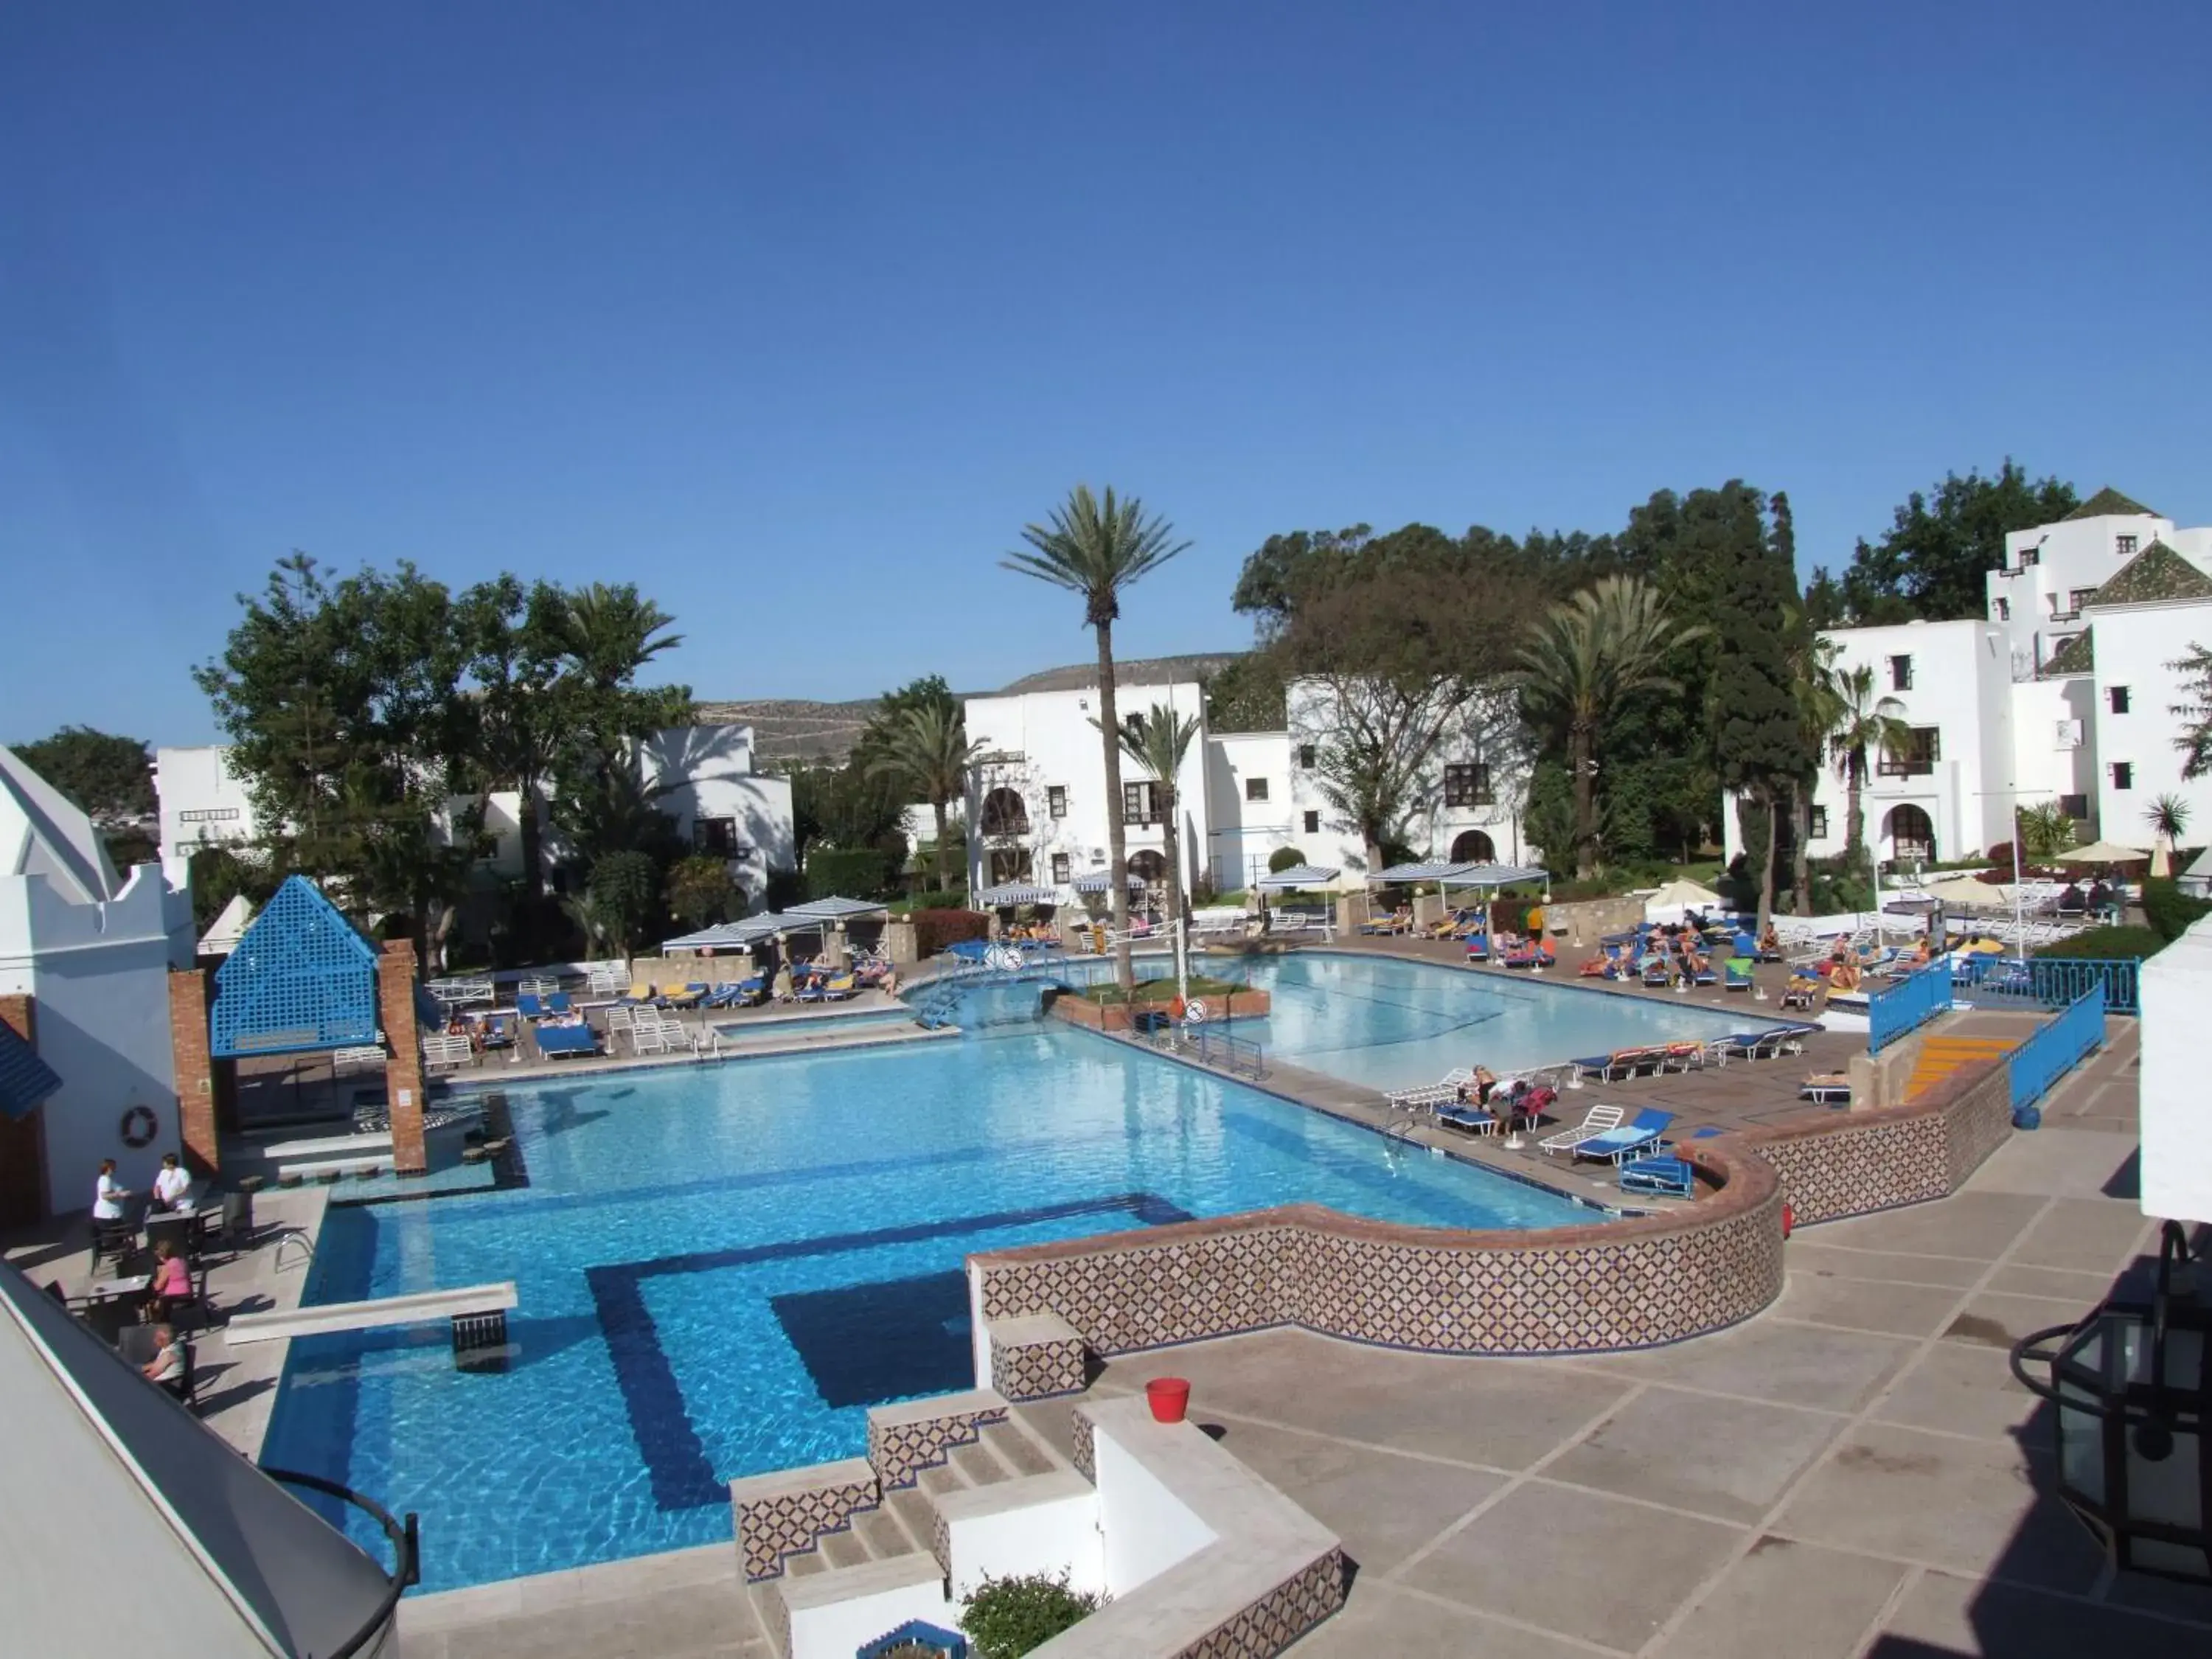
{"x": 798, "y": 729}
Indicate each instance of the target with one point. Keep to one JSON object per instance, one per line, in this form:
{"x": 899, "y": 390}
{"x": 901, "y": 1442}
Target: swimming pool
{"x": 721, "y": 1267}
{"x": 1388, "y": 1023}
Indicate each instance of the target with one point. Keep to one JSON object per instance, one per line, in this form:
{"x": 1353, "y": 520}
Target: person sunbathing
{"x": 1843, "y": 975}
{"x": 1770, "y": 942}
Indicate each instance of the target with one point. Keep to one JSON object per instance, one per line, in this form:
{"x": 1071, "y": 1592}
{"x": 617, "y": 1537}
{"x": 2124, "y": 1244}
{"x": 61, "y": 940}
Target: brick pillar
{"x": 403, "y": 1067}
{"x": 197, "y": 1102}
{"x": 22, "y": 1139}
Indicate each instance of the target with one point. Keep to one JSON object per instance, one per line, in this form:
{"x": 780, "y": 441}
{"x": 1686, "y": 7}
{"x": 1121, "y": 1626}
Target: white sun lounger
{"x": 1595, "y": 1123}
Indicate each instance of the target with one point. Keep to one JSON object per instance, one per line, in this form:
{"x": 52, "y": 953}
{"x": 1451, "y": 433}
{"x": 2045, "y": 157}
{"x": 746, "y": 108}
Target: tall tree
{"x": 1866, "y": 722}
{"x": 111, "y": 778}
{"x": 1760, "y": 735}
{"x": 1097, "y": 549}
{"x": 1158, "y": 740}
{"x": 925, "y": 751}
{"x": 517, "y": 641}
{"x": 2195, "y": 710}
{"x": 1931, "y": 561}
{"x": 1584, "y": 659}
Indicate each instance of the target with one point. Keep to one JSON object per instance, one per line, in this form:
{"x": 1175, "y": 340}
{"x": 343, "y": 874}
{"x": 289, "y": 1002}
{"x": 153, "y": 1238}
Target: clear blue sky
{"x": 795, "y": 314}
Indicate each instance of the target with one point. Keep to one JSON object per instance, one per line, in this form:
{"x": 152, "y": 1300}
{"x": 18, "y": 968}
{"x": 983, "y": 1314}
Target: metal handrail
{"x": 406, "y": 1538}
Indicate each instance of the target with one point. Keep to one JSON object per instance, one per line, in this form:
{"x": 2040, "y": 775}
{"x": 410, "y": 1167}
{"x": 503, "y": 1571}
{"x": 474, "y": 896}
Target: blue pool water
{"x": 1391, "y": 1024}
{"x": 721, "y": 1268}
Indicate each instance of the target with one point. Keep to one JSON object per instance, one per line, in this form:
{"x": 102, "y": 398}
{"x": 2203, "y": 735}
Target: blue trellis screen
{"x": 302, "y": 977}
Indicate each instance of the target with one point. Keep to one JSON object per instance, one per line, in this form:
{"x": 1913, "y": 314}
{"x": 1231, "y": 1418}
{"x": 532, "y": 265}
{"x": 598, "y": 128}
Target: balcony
{"x": 1906, "y": 766}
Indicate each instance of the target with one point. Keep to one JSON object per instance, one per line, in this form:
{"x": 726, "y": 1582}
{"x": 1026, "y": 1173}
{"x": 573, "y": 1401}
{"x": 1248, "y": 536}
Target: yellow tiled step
{"x": 1940, "y": 1056}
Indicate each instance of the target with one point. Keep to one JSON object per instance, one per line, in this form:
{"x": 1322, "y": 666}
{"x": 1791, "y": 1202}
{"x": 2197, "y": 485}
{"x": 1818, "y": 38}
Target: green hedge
{"x": 860, "y": 873}
{"x": 2168, "y": 909}
{"x": 2107, "y": 944}
{"x": 935, "y": 929}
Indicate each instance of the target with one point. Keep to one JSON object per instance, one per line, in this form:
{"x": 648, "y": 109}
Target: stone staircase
{"x": 871, "y": 1525}
{"x": 1941, "y": 1057}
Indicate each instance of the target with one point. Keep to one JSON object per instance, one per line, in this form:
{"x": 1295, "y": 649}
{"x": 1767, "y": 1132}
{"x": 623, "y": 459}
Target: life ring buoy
{"x": 140, "y": 1126}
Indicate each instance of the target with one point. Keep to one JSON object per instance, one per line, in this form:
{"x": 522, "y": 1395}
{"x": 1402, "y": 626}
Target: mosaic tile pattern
{"x": 1280, "y": 1618}
{"x": 1580, "y": 1290}
{"x": 940, "y": 1541}
{"x": 1979, "y": 1122}
{"x": 1037, "y": 1369}
{"x": 1853, "y": 1168}
{"x": 900, "y": 1452}
{"x": 771, "y": 1528}
{"x": 1084, "y": 1453}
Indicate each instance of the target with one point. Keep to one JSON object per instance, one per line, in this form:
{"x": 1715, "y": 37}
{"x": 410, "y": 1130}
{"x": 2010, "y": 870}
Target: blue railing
{"x": 1907, "y": 1005}
{"x": 2052, "y": 982}
{"x": 2056, "y": 1048}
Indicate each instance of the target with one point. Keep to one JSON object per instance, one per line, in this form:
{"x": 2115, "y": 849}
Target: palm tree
{"x": 611, "y": 632}
{"x": 1159, "y": 741}
{"x": 2168, "y": 817}
{"x": 1583, "y": 660}
{"x": 1097, "y": 549}
{"x": 1863, "y": 723}
{"x": 928, "y": 755}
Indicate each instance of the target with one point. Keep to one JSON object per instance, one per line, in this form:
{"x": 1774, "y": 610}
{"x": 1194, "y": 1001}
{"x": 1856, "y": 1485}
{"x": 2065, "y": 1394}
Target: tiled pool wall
{"x": 1630, "y": 1283}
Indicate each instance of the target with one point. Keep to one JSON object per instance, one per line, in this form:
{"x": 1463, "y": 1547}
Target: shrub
{"x": 939, "y": 898}
{"x": 785, "y": 889}
{"x": 860, "y": 873}
{"x": 701, "y": 892}
{"x": 1008, "y": 1617}
{"x": 935, "y": 929}
{"x": 2168, "y": 909}
{"x": 2107, "y": 944}
{"x": 1284, "y": 858}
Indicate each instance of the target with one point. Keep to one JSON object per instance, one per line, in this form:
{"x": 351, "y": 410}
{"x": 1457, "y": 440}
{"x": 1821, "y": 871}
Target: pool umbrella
{"x": 2103, "y": 851}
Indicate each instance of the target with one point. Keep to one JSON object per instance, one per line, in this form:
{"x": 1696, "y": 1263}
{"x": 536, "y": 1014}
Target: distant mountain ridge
{"x": 800, "y": 729}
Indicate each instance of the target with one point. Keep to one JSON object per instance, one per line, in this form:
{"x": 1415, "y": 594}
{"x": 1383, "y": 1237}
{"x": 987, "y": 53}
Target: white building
{"x": 92, "y": 951}
{"x": 2066, "y": 693}
{"x": 721, "y": 802}
{"x": 1037, "y": 801}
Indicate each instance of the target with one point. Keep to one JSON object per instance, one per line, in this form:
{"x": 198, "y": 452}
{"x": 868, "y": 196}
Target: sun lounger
{"x": 1427, "y": 1094}
{"x": 1737, "y": 975}
{"x": 448, "y": 1051}
{"x": 1764, "y": 1045}
{"x": 1826, "y": 1089}
{"x": 837, "y": 989}
{"x": 639, "y": 992}
{"x": 1617, "y": 1144}
{"x": 529, "y": 1006}
{"x": 1478, "y": 947}
{"x": 1671, "y": 1177}
{"x": 558, "y": 1004}
{"x": 687, "y": 997}
{"x": 1533, "y": 957}
{"x": 554, "y": 1040}
{"x": 1620, "y": 1063}
{"x": 1595, "y": 1122}
{"x": 1473, "y": 1119}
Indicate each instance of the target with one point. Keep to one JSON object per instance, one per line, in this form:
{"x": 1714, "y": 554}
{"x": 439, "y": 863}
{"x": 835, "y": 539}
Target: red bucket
{"x": 1169, "y": 1397}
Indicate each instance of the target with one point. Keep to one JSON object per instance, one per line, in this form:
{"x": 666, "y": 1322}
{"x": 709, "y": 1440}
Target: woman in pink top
{"x": 173, "y": 1281}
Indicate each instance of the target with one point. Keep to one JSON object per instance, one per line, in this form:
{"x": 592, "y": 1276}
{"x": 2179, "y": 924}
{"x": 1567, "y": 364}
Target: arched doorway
{"x": 1011, "y": 864}
{"x": 1005, "y": 813}
{"x": 1911, "y": 834}
{"x": 1149, "y": 868}
{"x": 1474, "y": 847}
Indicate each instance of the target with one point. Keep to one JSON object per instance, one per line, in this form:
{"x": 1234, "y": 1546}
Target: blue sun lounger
{"x": 558, "y": 1003}
{"x": 554, "y": 1040}
{"x": 1640, "y": 1133}
{"x": 1671, "y": 1178}
{"x": 529, "y": 1006}
{"x": 1472, "y": 1118}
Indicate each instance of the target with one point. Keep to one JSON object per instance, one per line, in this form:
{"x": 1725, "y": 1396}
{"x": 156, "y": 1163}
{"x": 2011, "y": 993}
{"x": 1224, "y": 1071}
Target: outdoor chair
{"x": 1669, "y": 1177}
{"x": 1471, "y": 1120}
{"x": 1826, "y": 1089}
{"x": 115, "y": 1241}
{"x": 1623, "y": 1141}
{"x": 529, "y": 1006}
{"x": 1595, "y": 1122}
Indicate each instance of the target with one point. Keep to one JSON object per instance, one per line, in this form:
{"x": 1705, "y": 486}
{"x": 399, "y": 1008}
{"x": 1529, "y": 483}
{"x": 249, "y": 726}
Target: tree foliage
{"x": 2194, "y": 709}
{"x": 1931, "y": 561}
{"x": 110, "y": 778}
{"x": 918, "y": 746}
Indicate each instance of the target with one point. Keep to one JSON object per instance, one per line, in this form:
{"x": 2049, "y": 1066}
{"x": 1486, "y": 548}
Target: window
{"x": 1009, "y": 864}
{"x": 1820, "y": 824}
{"x": 1005, "y": 813}
{"x": 1062, "y": 874}
{"x": 1256, "y": 789}
{"x": 717, "y": 837}
{"x": 1467, "y": 784}
{"x": 208, "y": 815}
{"x": 1138, "y": 806}
{"x": 2004, "y": 609}
{"x": 2080, "y": 596}
{"x": 2075, "y": 806}
{"x": 2124, "y": 774}
{"x": 1912, "y": 834}
{"x": 1313, "y": 824}
{"x": 2029, "y": 556}
{"x": 2118, "y": 694}
{"x": 1055, "y": 801}
{"x": 1900, "y": 673}
{"x": 1915, "y": 756}
{"x": 1306, "y": 756}
{"x": 2124, "y": 546}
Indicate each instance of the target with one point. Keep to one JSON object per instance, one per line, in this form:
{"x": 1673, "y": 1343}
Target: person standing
{"x": 109, "y": 1194}
{"x": 171, "y": 1184}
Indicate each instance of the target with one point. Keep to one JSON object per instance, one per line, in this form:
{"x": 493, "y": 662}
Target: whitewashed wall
{"x": 2177, "y": 1136}
{"x": 2135, "y": 647}
{"x": 202, "y": 803}
{"x": 1146, "y": 1528}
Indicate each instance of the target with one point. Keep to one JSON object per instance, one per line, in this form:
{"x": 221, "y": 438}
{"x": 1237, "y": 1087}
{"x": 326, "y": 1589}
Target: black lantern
{"x": 2131, "y": 1394}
